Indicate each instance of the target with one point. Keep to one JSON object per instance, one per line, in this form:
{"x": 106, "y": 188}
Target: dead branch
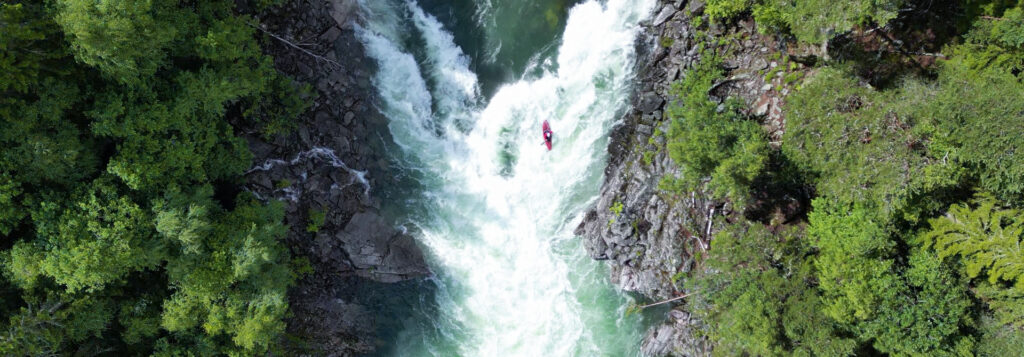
{"x": 297, "y": 47}
{"x": 664, "y": 301}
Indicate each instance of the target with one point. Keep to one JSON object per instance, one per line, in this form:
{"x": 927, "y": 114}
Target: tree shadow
{"x": 910, "y": 44}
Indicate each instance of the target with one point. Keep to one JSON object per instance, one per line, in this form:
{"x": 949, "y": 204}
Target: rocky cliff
{"x": 325, "y": 172}
{"x": 651, "y": 239}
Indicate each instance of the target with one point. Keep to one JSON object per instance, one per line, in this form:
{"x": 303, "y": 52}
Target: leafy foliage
{"x": 975, "y": 118}
{"x": 999, "y": 339}
{"x": 863, "y": 145}
{"x": 897, "y": 260}
{"x": 720, "y": 145}
{"x": 987, "y": 240}
{"x": 853, "y": 264}
{"x": 229, "y": 273}
{"x": 108, "y": 34}
{"x": 759, "y": 301}
{"x": 95, "y": 239}
{"x": 117, "y": 120}
{"x": 917, "y": 310}
{"x": 995, "y": 42}
{"x": 810, "y": 20}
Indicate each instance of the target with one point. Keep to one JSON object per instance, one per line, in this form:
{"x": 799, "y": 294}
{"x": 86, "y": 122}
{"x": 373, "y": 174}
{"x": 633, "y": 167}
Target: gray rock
{"x": 666, "y": 12}
{"x": 679, "y": 336}
{"x": 644, "y": 129}
{"x": 332, "y": 34}
{"x": 695, "y": 7}
{"x": 342, "y": 11}
{"x": 380, "y": 251}
{"x": 355, "y": 245}
{"x": 650, "y": 102}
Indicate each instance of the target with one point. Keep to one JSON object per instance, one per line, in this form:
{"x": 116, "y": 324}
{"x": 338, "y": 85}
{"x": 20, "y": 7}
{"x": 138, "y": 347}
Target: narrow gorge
{"x": 511, "y": 178}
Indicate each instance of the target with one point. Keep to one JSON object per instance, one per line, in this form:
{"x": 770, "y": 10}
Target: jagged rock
{"x": 650, "y": 102}
{"x": 332, "y": 34}
{"x": 342, "y": 11}
{"x": 383, "y": 254}
{"x": 330, "y": 321}
{"x": 679, "y": 336}
{"x": 655, "y": 234}
{"x": 314, "y": 169}
{"x": 664, "y": 15}
{"x": 762, "y": 105}
{"x": 695, "y": 7}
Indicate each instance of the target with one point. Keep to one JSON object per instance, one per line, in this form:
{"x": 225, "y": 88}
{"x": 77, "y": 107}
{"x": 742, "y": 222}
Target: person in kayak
{"x": 547, "y": 135}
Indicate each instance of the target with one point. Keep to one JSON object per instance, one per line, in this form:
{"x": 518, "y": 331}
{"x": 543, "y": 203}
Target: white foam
{"x": 499, "y": 241}
{"x": 292, "y": 193}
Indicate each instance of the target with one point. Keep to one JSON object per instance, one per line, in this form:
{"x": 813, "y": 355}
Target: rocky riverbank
{"x": 652, "y": 239}
{"x": 325, "y": 172}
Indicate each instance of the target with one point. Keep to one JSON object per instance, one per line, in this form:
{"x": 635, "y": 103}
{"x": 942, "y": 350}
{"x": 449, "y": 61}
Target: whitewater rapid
{"x": 497, "y": 210}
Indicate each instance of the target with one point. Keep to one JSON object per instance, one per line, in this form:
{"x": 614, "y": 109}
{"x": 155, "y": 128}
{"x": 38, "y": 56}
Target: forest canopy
{"x": 120, "y": 227}
{"x": 912, "y": 170}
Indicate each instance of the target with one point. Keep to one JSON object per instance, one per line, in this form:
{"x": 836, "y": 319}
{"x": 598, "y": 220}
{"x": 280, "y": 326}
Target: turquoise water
{"x": 466, "y": 85}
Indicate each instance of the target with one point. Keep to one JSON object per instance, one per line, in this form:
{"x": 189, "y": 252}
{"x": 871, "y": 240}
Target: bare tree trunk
{"x": 664, "y": 301}
{"x": 297, "y": 47}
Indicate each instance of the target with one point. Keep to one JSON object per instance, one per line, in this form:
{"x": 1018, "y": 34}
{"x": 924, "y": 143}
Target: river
{"x": 466, "y": 85}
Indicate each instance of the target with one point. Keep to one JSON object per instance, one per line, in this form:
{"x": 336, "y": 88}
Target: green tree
{"x": 759, "y": 301}
{"x": 720, "y": 146}
{"x": 124, "y": 39}
{"x": 863, "y": 145}
{"x": 813, "y": 21}
{"x": 93, "y": 240}
{"x": 110, "y": 110}
{"x": 229, "y": 272}
{"x": 853, "y": 264}
{"x": 987, "y": 239}
{"x": 974, "y": 121}
{"x": 27, "y": 47}
{"x": 921, "y": 309}
{"x": 11, "y": 212}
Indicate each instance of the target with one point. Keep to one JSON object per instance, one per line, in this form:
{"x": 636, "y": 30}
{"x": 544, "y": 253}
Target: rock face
{"x": 646, "y": 235}
{"x": 325, "y": 172}
{"x": 676, "y": 337}
{"x": 650, "y": 237}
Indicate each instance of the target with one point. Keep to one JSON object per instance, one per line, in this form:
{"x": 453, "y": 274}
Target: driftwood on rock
{"x": 295, "y": 46}
{"x": 664, "y": 301}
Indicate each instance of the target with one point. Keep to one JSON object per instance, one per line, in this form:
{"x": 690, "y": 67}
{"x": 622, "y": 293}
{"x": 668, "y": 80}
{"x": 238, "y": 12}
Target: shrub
{"x": 713, "y": 143}
{"x": 986, "y": 238}
{"x": 863, "y": 145}
{"x": 757, "y": 299}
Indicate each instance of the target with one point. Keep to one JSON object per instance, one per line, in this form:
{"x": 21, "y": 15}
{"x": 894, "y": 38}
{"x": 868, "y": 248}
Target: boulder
{"x": 342, "y": 12}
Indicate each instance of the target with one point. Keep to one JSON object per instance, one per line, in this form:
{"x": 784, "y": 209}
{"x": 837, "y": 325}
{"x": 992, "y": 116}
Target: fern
{"x": 987, "y": 238}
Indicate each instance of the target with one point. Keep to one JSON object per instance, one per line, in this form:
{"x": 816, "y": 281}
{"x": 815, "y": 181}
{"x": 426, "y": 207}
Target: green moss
{"x": 284, "y": 183}
{"x": 792, "y": 77}
{"x": 316, "y": 220}
{"x": 678, "y": 275}
{"x": 616, "y": 208}
{"x": 666, "y": 41}
{"x": 649, "y": 157}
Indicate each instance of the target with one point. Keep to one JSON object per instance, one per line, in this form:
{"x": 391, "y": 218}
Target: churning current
{"x": 494, "y": 209}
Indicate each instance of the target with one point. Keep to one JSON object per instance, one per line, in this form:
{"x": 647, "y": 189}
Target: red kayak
{"x": 547, "y": 134}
